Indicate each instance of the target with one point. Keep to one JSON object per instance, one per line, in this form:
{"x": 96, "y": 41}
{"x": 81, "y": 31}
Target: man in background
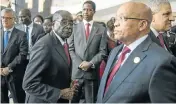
{"x": 14, "y": 49}
{"x": 88, "y": 47}
{"x": 161, "y": 23}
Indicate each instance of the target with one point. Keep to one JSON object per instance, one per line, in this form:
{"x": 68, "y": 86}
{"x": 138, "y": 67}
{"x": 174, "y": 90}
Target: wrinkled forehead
{"x": 23, "y": 13}
{"x": 62, "y": 17}
{"x": 125, "y": 11}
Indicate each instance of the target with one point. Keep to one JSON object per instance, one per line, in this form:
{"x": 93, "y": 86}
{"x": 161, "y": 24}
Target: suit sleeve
{"x": 162, "y": 87}
{"x": 102, "y": 49}
{"x": 75, "y": 58}
{"x": 23, "y": 50}
{"x": 32, "y": 82}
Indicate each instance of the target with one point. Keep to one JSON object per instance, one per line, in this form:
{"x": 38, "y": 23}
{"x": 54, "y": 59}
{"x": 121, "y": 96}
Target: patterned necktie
{"x": 116, "y": 67}
{"x": 6, "y": 39}
{"x": 87, "y": 30}
{"x": 27, "y": 32}
{"x": 67, "y": 52}
{"x": 160, "y": 37}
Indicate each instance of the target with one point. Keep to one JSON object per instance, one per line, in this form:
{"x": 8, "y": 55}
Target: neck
{"x": 28, "y": 23}
{"x": 88, "y": 20}
{"x": 155, "y": 27}
{"x": 128, "y": 42}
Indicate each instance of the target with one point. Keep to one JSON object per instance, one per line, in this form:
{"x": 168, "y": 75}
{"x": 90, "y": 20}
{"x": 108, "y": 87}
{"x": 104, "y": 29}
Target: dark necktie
{"x": 67, "y": 52}
{"x": 87, "y": 30}
{"x": 6, "y": 38}
{"x": 116, "y": 67}
{"x": 160, "y": 37}
{"x": 27, "y": 32}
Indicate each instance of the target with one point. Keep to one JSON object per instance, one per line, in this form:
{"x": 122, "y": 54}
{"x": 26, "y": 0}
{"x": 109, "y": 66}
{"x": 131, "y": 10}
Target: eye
{"x": 166, "y": 14}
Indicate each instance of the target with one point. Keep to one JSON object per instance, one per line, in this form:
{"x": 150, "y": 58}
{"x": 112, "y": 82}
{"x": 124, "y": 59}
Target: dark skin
{"x": 88, "y": 12}
{"x": 25, "y": 17}
{"x": 47, "y": 25}
{"x": 63, "y": 26}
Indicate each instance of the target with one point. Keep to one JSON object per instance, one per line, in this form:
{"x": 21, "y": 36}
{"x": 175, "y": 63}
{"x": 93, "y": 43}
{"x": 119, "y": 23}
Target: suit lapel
{"x": 11, "y": 40}
{"x": 2, "y": 43}
{"x": 59, "y": 48}
{"x": 33, "y": 30}
{"x": 154, "y": 38}
{"x": 128, "y": 67}
{"x": 92, "y": 33}
{"x": 166, "y": 42}
{"x": 83, "y": 34}
{"x": 109, "y": 65}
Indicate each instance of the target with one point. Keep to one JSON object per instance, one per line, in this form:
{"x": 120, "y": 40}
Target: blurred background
{"x": 105, "y": 8}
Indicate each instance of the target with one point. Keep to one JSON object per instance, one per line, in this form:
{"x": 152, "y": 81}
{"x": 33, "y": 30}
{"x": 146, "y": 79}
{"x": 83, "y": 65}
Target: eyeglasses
{"x": 8, "y": 18}
{"x": 65, "y": 22}
{"x": 122, "y": 19}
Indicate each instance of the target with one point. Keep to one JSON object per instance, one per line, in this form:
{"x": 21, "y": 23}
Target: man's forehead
{"x": 23, "y": 13}
{"x": 165, "y": 8}
{"x": 62, "y": 17}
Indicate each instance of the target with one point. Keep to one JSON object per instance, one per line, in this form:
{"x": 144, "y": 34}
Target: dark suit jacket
{"x": 167, "y": 41}
{"x": 173, "y": 29}
{"x": 37, "y": 31}
{"x": 47, "y": 72}
{"x": 93, "y": 49}
{"x": 14, "y": 56}
{"x": 15, "y": 53}
{"x": 150, "y": 80}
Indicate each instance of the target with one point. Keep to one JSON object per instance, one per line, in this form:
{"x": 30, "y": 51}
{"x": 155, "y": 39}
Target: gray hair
{"x": 8, "y": 10}
{"x": 155, "y": 4}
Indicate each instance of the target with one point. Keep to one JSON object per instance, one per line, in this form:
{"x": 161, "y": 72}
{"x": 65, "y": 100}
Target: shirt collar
{"x": 30, "y": 25}
{"x": 90, "y": 22}
{"x": 60, "y": 39}
{"x": 154, "y": 31}
{"x": 133, "y": 45}
{"x": 9, "y": 29}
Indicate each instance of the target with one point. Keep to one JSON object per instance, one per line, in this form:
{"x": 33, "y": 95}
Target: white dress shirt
{"x": 90, "y": 22}
{"x": 133, "y": 46}
{"x": 30, "y": 27}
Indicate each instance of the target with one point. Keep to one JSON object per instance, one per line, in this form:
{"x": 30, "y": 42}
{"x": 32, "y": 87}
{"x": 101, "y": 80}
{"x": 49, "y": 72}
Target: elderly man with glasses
{"x": 14, "y": 49}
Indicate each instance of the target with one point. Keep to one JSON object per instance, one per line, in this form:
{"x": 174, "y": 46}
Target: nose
{"x": 171, "y": 18}
{"x": 116, "y": 24}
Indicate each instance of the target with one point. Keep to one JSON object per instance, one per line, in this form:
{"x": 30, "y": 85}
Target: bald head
{"x": 137, "y": 10}
{"x": 132, "y": 22}
{"x": 62, "y": 13}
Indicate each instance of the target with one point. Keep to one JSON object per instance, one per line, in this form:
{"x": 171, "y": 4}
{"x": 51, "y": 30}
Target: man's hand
{"x": 1, "y": 73}
{"x": 85, "y": 65}
{"x": 67, "y": 93}
{"x": 5, "y": 71}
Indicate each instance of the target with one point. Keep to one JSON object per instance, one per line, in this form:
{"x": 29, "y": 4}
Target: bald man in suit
{"x": 138, "y": 71}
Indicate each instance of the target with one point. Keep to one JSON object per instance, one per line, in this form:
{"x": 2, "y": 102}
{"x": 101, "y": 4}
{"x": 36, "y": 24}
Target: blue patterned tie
{"x": 6, "y": 38}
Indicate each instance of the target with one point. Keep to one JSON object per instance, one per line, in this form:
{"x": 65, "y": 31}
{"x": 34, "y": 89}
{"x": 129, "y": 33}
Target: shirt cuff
{"x": 93, "y": 65}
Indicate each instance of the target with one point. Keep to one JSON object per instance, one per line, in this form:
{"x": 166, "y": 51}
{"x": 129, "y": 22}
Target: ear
{"x": 143, "y": 24}
{"x": 153, "y": 18}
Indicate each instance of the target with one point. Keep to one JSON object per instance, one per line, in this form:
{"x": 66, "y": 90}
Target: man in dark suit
{"x": 138, "y": 71}
{"x": 48, "y": 76}
{"x": 33, "y": 30}
{"x": 162, "y": 18}
{"x": 87, "y": 47}
{"x": 13, "y": 53}
{"x": 173, "y": 29}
